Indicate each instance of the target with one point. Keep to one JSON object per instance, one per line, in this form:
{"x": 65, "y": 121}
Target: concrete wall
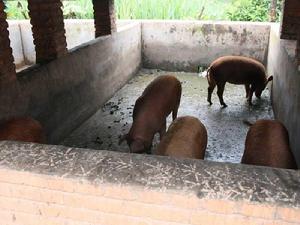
{"x": 16, "y": 43}
{"x": 67, "y": 91}
{"x": 59, "y": 185}
{"x": 170, "y": 45}
{"x": 286, "y": 86}
{"x": 184, "y": 45}
{"x": 77, "y": 33}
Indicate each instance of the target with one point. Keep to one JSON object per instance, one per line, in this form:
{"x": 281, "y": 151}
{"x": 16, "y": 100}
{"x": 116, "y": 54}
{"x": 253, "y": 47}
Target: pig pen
{"x": 225, "y": 127}
{"x": 85, "y": 100}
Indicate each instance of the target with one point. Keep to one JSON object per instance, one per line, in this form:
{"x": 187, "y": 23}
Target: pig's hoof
{"x": 210, "y": 103}
{"x": 224, "y": 105}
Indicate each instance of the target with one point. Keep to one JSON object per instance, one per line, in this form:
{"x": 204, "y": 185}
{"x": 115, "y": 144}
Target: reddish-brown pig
{"x": 185, "y": 138}
{"x": 159, "y": 99}
{"x": 22, "y": 129}
{"x": 237, "y": 70}
{"x": 267, "y": 144}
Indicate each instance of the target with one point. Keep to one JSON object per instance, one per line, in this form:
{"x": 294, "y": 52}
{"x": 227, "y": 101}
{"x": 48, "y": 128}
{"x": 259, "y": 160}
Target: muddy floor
{"x": 225, "y": 127}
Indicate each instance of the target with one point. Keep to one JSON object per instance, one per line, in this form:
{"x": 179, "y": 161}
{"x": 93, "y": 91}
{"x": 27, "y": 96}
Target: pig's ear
{"x": 123, "y": 138}
{"x": 270, "y": 78}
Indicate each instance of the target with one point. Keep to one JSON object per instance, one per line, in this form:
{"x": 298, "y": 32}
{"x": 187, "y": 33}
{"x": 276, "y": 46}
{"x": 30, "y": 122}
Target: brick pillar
{"x": 298, "y": 50}
{"x": 290, "y": 23}
{"x": 104, "y": 17}
{"x": 7, "y": 66}
{"x": 48, "y": 29}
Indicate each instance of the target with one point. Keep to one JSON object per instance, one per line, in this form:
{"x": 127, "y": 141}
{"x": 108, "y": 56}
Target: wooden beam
{"x": 104, "y": 17}
{"x": 48, "y": 29}
{"x": 7, "y": 66}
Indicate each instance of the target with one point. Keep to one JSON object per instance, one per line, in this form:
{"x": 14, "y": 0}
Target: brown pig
{"x": 23, "y": 129}
{"x": 267, "y": 144}
{"x": 159, "y": 99}
{"x": 237, "y": 70}
{"x": 185, "y": 138}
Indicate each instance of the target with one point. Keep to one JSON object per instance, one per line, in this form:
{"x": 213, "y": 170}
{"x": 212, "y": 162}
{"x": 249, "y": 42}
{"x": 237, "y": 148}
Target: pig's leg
{"x": 220, "y": 93}
{"x": 175, "y": 111}
{"x": 210, "y": 90}
{"x": 252, "y": 89}
{"x": 162, "y": 130}
{"x": 247, "y": 88}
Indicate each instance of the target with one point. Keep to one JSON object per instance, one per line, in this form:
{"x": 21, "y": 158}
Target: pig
{"x": 185, "y": 138}
{"x": 23, "y": 129}
{"x": 267, "y": 144}
{"x": 159, "y": 99}
{"x": 237, "y": 70}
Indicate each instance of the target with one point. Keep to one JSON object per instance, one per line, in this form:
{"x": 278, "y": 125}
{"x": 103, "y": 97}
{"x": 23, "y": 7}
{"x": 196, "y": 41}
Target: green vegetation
{"x": 244, "y": 10}
{"x": 172, "y": 9}
{"x": 252, "y": 10}
{"x": 16, "y": 9}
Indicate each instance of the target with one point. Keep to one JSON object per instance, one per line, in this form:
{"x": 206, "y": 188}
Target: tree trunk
{"x": 273, "y": 10}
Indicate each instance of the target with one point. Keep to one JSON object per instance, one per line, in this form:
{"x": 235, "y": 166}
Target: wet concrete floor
{"x": 225, "y": 127}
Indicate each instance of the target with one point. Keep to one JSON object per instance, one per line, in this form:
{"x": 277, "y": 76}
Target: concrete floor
{"x": 225, "y": 127}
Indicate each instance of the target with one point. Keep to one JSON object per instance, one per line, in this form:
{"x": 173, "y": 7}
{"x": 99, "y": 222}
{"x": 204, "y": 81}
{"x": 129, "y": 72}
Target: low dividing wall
{"x": 58, "y": 185}
{"x": 169, "y": 45}
{"x": 77, "y": 33}
{"x": 67, "y": 91}
{"x": 185, "y": 45}
{"x": 286, "y": 86}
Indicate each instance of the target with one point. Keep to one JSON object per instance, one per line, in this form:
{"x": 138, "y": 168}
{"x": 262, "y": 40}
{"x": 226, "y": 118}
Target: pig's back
{"x": 267, "y": 144}
{"x": 238, "y": 70}
{"x": 186, "y": 138}
{"x": 22, "y": 129}
{"x": 160, "y": 96}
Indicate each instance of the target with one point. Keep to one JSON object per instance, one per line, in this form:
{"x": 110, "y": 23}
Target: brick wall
{"x": 290, "y": 22}
{"x": 32, "y": 199}
{"x": 48, "y": 29}
{"x": 7, "y": 67}
{"x": 298, "y": 48}
{"x": 104, "y": 17}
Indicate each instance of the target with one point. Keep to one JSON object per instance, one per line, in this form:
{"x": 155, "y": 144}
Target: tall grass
{"x": 171, "y": 9}
{"x": 136, "y": 9}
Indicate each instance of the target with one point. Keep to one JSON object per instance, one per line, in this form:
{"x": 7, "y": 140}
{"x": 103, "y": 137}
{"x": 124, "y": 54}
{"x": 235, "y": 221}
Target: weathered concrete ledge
{"x": 206, "y": 179}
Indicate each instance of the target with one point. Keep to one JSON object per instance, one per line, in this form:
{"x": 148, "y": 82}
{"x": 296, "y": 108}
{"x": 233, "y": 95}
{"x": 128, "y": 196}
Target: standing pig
{"x": 23, "y": 129}
{"x": 237, "y": 70}
{"x": 186, "y": 138}
{"x": 159, "y": 99}
{"x": 267, "y": 144}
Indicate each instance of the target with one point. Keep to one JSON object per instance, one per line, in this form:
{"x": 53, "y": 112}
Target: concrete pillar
{"x": 7, "y": 66}
{"x": 290, "y": 22}
{"x": 104, "y": 17}
{"x": 48, "y": 29}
